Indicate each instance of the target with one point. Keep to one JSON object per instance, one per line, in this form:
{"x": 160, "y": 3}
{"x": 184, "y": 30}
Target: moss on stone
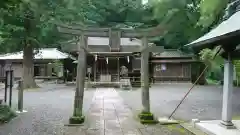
{"x": 6, "y": 114}
{"x": 149, "y": 121}
{"x": 147, "y": 118}
{"x": 76, "y": 119}
{"x": 78, "y": 112}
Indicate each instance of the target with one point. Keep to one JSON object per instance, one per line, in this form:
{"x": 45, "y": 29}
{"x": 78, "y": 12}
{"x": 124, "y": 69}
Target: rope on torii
{"x": 87, "y": 50}
{"x": 96, "y": 57}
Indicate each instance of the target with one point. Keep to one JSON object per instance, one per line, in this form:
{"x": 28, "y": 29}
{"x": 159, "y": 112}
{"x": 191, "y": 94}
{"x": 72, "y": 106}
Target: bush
{"x": 6, "y": 114}
{"x": 197, "y": 68}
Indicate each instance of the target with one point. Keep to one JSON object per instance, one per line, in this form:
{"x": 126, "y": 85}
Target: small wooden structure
{"x": 103, "y": 64}
{"x": 43, "y": 63}
{"x": 171, "y": 66}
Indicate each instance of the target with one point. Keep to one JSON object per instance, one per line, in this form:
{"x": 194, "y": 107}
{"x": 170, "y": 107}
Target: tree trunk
{"x": 28, "y": 67}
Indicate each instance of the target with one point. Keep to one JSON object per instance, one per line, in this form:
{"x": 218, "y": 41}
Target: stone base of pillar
{"x": 147, "y": 118}
{"x": 76, "y": 120}
{"x": 227, "y": 125}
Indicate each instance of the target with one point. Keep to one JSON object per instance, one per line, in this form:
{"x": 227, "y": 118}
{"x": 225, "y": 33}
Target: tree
{"x": 179, "y": 18}
{"x": 215, "y": 64}
{"x": 187, "y": 20}
{"x": 31, "y": 25}
{"x": 118, "y": 13}
{"x": 7, "y": 8}
{"x": 211, "y": 12}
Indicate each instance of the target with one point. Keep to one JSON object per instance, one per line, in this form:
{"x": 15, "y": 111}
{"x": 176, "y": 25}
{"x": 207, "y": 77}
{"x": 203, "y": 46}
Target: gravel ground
{"x": 49, "y": 108}
{"x": 204, "y": 102}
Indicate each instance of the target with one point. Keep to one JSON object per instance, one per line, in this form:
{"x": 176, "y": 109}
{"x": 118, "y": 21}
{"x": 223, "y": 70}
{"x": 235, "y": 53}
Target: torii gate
{"x": 114, "y": 36}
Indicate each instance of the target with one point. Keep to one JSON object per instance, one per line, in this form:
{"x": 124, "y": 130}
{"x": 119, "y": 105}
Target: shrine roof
{"x": 44, "y": 53}
{"x": 172, "y": 53}
{"x": 173, "y": 61}
{"x": 224, "y": 34}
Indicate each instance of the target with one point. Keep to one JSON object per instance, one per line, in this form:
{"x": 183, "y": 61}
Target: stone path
{"x": 109, "y": 115}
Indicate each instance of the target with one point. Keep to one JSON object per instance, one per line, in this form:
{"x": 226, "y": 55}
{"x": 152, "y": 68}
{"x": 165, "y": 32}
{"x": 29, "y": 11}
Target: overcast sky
{"x": 144, "y": 1}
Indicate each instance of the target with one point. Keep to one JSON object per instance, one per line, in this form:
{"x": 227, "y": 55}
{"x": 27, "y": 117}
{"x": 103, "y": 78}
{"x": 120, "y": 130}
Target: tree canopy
{"x": 185, "y": 20}
{"x": 27, "y": 24}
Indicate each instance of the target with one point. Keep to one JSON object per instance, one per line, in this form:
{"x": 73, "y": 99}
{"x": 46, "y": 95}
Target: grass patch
{"x": 6, "y": 114}
{"x": 236, "y": 118}
{"x": 177, "y": 128}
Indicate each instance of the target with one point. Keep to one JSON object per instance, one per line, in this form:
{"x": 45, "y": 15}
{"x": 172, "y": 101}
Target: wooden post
{"x": 145, "y": 77}
{"x": 118, "y": 69}
{"x": 107, "y": 66}
{"x": 95, "y": 71}
{"x": 11, "y": 78}
{"x": 190, "y": 72}
{"x": 20, "y": 96}
{"x": 6, "y": 86}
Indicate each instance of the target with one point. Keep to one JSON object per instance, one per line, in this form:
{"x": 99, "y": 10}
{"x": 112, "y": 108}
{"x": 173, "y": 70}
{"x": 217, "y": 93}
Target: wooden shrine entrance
{"x": 107, "y": 67}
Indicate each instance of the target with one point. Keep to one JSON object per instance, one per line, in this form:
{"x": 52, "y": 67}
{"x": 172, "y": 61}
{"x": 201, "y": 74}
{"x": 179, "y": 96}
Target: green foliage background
{"x": 184, "y": 21}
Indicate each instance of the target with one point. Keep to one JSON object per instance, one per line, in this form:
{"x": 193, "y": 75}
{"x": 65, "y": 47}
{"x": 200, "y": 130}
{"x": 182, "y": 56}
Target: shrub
{"x": 6, "y": 114}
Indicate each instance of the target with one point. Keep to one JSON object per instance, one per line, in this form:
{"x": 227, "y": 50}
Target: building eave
{"x": 225, "y": 34}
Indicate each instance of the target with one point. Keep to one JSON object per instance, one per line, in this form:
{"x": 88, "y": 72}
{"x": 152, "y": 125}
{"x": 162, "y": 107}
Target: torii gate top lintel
{"x": 114, "y": 35}
{"x": 106, "y": 32}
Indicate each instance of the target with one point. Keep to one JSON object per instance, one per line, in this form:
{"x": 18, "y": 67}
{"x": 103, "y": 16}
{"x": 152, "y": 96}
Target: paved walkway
{"x": 109, "y": 115}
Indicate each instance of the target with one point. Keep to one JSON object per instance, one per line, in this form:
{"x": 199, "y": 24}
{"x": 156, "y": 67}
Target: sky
{"x": 144, "y": 1}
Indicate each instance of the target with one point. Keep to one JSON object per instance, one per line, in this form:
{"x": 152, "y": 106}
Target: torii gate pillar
{"x": 145, "y": 116}
{"x": 145, "y": 77}
{"x": 80, "y": 83}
